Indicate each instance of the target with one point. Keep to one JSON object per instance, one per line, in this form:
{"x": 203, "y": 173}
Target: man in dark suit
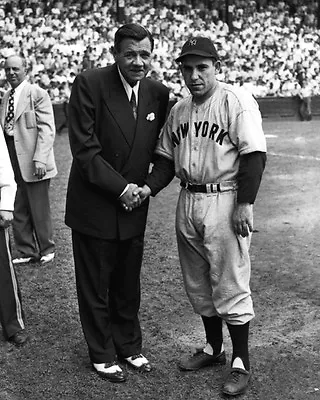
{"x": 115, "y": 117}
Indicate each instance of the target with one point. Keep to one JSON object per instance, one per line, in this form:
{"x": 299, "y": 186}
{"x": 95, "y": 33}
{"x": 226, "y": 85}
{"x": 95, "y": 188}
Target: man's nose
{"x": 138, "y": 60}
{"x": 194, "y": 74}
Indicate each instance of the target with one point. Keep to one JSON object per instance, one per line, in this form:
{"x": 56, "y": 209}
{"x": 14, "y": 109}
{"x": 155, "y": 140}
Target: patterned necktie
{"x": 8, "y": 125}
{"x": 133, "y": 103}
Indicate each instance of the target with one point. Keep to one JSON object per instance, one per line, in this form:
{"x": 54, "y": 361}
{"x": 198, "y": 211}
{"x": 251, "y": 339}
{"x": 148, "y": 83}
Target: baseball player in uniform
{"x": 213, "y": 141}
{"x": 11, "y": 313}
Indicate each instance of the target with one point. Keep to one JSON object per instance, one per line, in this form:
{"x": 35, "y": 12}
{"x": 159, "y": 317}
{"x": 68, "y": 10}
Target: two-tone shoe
{"x": 139, "y": 363}
{"x": 110, "y": 371}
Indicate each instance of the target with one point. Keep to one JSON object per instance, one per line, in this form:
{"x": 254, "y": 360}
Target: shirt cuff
{"x": 124, "y": 191}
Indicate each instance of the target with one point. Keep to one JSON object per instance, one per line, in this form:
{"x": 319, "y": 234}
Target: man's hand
{"x": 6, "y": 218}
{"x": 242, "y": 219}
{"x": 40, "y": 169}
{"x": 130, "y": 200}
{"x": 143, "y": 192}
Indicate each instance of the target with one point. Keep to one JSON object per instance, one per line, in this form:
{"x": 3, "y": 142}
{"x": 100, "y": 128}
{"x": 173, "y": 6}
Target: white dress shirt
{"x": 129, "y": 89}
{"x": 16, "y": 96}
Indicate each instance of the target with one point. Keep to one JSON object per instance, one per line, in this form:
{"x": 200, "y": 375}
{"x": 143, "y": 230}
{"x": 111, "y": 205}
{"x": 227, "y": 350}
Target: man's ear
{"x": 113, "y": 52}
{"x": 217, "y": 65}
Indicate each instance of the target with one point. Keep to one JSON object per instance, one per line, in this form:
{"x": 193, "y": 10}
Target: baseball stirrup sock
{"x": 239, "y": 337}
{"x": 213, "y": 329}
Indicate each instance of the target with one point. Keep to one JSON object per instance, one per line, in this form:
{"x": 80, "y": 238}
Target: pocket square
{"x": 151, "y": 116}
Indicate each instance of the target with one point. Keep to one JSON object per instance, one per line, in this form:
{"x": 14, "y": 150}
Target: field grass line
{"x": 299, "y": 156}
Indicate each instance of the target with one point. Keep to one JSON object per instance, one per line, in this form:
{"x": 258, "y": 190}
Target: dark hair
{"x": 133, "y": 31}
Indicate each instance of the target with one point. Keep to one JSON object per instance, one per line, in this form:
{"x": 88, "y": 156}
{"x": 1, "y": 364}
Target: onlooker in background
{"x": 305, "y": 93}
{"x": 115, "y": 117}
{"x": 64, "y": 91}
{"x": 11, "y": 313}
{"x": 27, "y": 119}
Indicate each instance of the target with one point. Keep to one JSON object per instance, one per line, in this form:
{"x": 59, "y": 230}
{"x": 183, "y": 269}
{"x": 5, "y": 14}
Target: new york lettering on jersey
{"x": 200, "y": 129}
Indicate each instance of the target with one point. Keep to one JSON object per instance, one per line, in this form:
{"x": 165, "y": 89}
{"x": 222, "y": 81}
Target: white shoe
{"x": 21, "y": 260}
{"x": 110, "y": 371}
{"x": 107, "y": 368}
{"x": 139, "y": 362}
{"x": 47, "y": 258}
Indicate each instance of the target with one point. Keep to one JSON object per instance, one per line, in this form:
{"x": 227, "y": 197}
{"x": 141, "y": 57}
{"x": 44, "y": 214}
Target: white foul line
{"x": 294, "y": 156}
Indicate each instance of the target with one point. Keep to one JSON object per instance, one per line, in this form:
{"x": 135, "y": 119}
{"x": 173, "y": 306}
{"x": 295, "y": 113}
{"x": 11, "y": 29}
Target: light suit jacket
{"x": 34, "y": 131}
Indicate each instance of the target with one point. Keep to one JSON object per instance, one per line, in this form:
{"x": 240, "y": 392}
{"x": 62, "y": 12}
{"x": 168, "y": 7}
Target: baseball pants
{"x": 214, "y": 260}
{"x": 11, "y": 314}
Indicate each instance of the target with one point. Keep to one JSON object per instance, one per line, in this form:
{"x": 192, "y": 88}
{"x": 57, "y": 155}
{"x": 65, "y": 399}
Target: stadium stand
{"x": 269, "y": 47}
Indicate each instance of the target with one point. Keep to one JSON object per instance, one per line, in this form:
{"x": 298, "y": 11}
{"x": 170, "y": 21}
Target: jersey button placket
{"x": 194, "y": 147}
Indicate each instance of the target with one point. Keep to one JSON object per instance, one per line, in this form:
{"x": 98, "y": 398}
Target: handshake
{"x": 134, "y": 196}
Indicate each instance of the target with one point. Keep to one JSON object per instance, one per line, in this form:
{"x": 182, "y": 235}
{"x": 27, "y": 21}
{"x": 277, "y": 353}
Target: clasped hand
{"x": 134, "y": 196}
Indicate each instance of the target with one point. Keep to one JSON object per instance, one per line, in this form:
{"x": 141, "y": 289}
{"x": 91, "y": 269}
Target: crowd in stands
{"x": 271, "y": 48}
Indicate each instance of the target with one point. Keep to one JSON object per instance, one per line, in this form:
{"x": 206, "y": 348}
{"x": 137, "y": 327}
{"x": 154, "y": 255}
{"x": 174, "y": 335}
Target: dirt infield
{"x": 285, "y": 335}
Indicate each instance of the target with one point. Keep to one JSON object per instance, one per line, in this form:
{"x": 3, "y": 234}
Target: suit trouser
{"x": 108, "y": 288}
{"x": 11, "y": 313}
{"x": 32, "y": 224}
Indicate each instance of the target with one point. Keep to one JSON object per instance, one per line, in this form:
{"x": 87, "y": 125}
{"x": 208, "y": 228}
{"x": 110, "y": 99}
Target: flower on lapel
{"x": 151, "y": 116}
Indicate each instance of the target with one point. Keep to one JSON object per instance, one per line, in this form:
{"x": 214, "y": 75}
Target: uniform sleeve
{"x": 249, "y": 177}
{"x": 163, "y": 169}
{"x": 7, "y": 183}
{"x": 164, "y": 146}
{"x": 245, "y": 124}
{"x": 161, "y": 175}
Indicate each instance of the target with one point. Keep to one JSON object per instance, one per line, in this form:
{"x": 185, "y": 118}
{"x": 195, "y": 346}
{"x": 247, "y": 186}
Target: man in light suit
{"x": 112, "y": 143}
{"x": 27, "y": 119}
{"x": 11, "y": 313}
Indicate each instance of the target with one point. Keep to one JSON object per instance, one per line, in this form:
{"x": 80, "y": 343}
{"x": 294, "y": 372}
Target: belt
{"x": 209, "y": 187}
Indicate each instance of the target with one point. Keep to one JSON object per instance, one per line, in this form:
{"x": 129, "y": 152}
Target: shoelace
{"x": 110, "y": 364}
{"x": 235, "y": 376}
{"x": 136, "y": 356}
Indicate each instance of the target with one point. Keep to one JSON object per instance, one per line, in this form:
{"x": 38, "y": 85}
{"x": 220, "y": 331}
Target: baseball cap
{"x": 199, "y": 46}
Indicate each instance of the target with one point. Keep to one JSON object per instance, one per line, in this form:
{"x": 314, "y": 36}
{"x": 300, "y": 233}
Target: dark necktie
{"x": 8, "y": 125}
{"x": 133, "y": 103}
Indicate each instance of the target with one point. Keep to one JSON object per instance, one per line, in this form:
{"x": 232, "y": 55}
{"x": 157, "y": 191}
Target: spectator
{"x": 27, "y": 119}
{"x": 273, "y": 31}
{"x": 305, "y": 95}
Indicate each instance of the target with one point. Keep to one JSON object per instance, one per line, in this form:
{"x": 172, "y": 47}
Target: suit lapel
{"x": 24, "y": 100}
{"x": 4, "y": 107}
{"x": 116, "y": 100}
{"x": 147, "y": 105}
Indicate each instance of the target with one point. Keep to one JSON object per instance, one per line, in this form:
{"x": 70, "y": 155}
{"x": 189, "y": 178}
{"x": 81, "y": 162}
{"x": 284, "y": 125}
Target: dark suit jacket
{"x": 110, "y": 149}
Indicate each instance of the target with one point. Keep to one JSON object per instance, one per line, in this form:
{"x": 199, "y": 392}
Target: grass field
{"x": 285, "y": 335}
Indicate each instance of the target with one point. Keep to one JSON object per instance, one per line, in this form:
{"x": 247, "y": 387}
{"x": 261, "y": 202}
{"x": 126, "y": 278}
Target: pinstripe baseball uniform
{"x": 11, "y": 314}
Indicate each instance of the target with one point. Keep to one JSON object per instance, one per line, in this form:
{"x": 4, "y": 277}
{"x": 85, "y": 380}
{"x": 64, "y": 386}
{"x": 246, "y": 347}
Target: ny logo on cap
{"x": 193, "y": 42}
